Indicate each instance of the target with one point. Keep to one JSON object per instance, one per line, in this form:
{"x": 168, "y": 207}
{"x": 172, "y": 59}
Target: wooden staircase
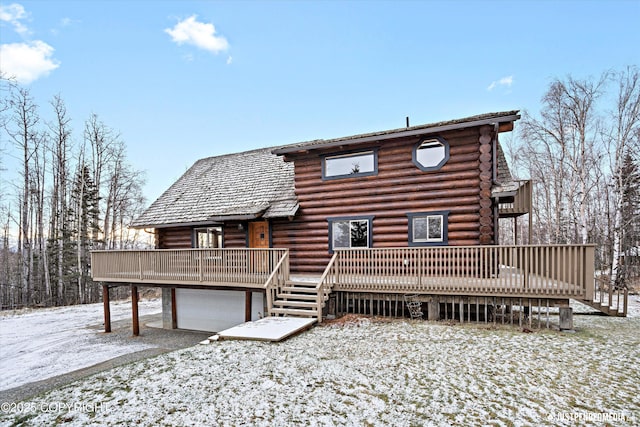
{"x": 609, "y": 300}
{"x": 298, "y": 299}
{"x": 606, "y": 309}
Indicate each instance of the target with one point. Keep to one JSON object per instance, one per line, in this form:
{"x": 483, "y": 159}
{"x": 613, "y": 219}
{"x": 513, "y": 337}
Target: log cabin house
{"x": 352, "y": 224}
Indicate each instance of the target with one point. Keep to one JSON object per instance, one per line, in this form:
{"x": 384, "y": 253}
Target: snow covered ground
{"x": 380, "y": 373}
{"x": 39, "y": 344}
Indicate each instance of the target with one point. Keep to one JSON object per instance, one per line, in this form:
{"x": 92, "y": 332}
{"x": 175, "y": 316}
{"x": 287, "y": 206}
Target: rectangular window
{"x": 364, "y": 163}
{"x": 345, "y": 233}
{"x": 428, "y": 228}
{"x": 210, "y": 237}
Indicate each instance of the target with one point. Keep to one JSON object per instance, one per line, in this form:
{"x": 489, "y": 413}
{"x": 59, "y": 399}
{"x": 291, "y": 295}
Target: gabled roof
{"x": 234, "y": 186}
{"x": 260, "y": 183}
{"x": 479, "y": 120}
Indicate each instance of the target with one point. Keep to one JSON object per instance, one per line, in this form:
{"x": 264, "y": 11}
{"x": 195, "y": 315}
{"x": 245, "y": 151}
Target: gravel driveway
{"x": 160, "y": 340}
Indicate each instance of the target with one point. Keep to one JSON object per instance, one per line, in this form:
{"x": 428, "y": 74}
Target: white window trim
{"x": 333, "y": 220}
{"x": 372, "y": 152}
{"x": 206, "y": 230}
{"x": 444, "y": 225}
{"x": 429, "y": 239}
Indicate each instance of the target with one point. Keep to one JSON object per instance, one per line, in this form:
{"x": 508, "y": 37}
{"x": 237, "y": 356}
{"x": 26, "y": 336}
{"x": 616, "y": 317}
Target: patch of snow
{"x": 43, "y": 343}
{"x": 399, "y": 373}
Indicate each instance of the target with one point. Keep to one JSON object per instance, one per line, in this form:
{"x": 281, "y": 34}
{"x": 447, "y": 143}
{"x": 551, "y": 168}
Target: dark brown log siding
{"x": 181, "y": 237}
{"x": 234, "y": 237}
{"x": 174, "y": 238}
{"x": 400, "y": 187}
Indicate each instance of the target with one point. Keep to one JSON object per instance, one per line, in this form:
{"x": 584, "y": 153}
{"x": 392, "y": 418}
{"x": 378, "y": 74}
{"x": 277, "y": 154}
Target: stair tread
{"x": 295, "y": 311}
{"x": 302, "y": 284}
{"x": 299, "y": 290}
{"x": 295, "y": 303}
{"x": 297, "y": 296}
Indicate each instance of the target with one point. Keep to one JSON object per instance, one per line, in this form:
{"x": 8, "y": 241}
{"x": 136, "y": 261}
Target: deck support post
{"x": 107, "y": 309}
{"x": 174, "y": 310}
{"x": 566, "y": 318}
{"x": 433, "y": 309}
{"x": 247, "y": 306}
{"x": 134, "y": 310}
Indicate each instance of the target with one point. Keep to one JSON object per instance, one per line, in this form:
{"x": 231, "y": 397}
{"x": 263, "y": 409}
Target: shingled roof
{"x": 479, "y": 120}
{"x": 260, "y": 183}
{"x": 235, "y": 186}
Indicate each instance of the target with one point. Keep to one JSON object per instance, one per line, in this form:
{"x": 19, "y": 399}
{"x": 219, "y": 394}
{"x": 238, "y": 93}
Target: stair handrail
{"x": 323, "y": 288}
{"x": 271, "y": 286}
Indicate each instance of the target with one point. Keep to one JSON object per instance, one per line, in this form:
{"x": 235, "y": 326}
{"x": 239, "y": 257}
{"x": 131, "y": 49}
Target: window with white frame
{"x": 349, "y": 165}
{"x": 431, "y": 154}
{"x": 209, "y": 237}
{"x": 428, "y": 228}
{"x": 352, "y": 232}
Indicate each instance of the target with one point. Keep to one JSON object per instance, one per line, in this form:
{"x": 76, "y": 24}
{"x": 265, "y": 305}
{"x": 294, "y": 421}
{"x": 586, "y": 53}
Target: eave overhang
{"x": 402, "y": 133}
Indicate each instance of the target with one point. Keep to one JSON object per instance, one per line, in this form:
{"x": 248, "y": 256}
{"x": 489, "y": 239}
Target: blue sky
{"x": 182, "y": 80}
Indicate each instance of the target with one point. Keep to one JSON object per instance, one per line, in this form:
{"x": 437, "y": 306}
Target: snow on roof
{"x": 260, "y": 183}
{"x": 233, "y": 186}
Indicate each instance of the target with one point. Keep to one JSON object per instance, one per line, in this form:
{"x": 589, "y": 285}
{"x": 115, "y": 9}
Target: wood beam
{"x": 505, "y": 127}
{"x": 174, "y": 310}
{"x": 134, "y": 310}
{"x": 107, "y": 310}
{"x": 247, "y": 306}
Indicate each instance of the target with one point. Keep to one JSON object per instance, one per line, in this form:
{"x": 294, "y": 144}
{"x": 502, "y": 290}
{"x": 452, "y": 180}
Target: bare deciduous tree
{"x": 23, "y": 131}
{"x": 622, "y": 140}
{"x": 564, "y": 152}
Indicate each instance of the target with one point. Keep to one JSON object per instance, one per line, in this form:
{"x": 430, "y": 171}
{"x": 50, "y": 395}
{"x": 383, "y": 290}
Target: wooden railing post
{"x": 419, "y": 267}
{"x": 589, "y": 272}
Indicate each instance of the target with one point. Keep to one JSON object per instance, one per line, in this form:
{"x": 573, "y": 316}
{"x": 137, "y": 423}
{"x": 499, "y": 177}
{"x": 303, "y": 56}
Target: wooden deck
{"x": 242, "y": 268}
{"x": 561, "y": 271}
{"x": 551, "y": 272}
{"x": 510, "y": 282}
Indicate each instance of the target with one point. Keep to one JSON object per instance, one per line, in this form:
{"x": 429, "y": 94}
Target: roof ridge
{"x": 460, "y": 121}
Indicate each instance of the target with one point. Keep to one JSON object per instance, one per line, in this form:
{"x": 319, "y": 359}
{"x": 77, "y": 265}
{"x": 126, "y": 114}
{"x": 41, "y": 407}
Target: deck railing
{"x": 562, "y": 271}
{"x": 521, "y": 203}
{"x": 192, "y": 266}
{"x": 277, "y": 279}
{"x": 325, "y": 284}
{"x": 527, "y": 271}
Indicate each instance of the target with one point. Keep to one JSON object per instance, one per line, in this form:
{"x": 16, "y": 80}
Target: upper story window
{"x": 428, "y": 228}
{"x": 210, "y": 237}
{"x": 349, "y": 165}
{"x": 431, "y": 154}
{"x": 351, "y": 232}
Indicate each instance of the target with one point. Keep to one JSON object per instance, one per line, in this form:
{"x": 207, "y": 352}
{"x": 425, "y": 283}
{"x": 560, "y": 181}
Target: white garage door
{"x": 214, "y": 311}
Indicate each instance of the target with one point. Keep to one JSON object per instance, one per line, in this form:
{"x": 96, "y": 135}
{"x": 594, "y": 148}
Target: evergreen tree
{"x": 631, "y": 219}
{"x": 85, "y": 214}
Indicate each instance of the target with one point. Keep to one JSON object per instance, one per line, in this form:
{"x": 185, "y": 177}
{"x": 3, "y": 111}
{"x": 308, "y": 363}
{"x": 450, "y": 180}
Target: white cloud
{"x": 505, "y": 81}
{"x": 27, "y": 61}
{"x": 199, "y": 34}
{"x": 229, "y": 60}
{"x": 12, "y": 14}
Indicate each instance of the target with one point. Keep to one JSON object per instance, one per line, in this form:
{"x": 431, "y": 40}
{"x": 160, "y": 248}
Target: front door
{"x": 259, "y": 234}
{"x": 259, "y": 239}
